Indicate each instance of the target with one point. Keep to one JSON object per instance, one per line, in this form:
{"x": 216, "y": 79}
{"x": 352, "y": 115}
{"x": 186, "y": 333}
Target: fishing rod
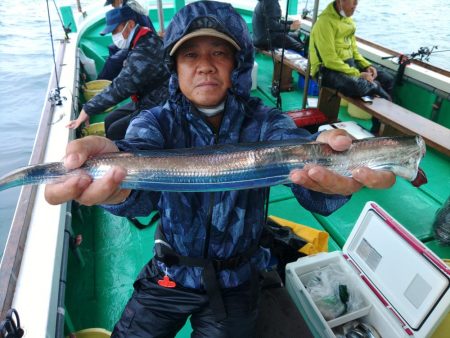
{"x": 422, "y": 54}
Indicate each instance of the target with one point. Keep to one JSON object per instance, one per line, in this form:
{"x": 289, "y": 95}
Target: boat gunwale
{"x": 15, "y": 245}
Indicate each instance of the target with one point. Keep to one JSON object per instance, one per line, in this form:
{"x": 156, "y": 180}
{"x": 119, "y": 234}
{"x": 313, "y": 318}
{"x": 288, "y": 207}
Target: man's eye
{"x": 219, "y": 53}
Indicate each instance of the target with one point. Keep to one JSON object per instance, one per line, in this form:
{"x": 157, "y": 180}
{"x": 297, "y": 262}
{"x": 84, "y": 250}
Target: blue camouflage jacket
{"x": 143, "y": 74}
{"x": 217, "y": 225}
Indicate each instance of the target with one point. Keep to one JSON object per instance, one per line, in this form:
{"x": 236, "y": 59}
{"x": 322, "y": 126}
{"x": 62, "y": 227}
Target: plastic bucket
{"x": 92, "y": 88}
{"x": 92, "y": 333}
{"x": 358, "y": 112}
{"x": 97, "y": 129}
{"x": 255, "y": 76}
{"x": 313, "y": 87}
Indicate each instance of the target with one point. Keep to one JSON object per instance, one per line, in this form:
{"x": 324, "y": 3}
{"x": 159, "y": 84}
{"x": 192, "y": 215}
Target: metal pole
{"x": 160, "y": 16}
{"x": 308, "y": 66}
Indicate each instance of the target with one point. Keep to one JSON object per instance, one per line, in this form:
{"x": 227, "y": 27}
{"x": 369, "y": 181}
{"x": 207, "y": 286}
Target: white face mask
{"x": 210, "y": 112}
{"x": 341, "y": 11}
{"x": 120, "y": 41}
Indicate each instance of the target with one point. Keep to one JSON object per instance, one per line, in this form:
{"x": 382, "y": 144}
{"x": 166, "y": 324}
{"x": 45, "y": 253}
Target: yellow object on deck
{"x": 92, "y": 333}
{"x": 92, "y": 88}
{"x": 97, "y": 129}
{"x": 444, "y": 328}
{"x": 317, "y": 240}
{"x": 358, "y": 112}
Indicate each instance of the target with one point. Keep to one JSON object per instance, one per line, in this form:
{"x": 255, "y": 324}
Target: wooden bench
{"x": 393, "y": 117}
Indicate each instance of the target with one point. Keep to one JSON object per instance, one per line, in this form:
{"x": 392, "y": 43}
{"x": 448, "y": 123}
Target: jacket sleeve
{"x": 139, "y": 69}
{"x": 359, "y": 59}
{"x": 325, "y": 44}
{"x": 143, "y": 134}
{"x": 282, "y": 127}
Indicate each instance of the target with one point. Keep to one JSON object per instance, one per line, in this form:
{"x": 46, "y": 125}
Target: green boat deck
{"x": 113, "y": 250}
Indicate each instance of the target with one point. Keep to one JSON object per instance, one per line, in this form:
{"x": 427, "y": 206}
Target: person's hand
{"x": 320, "y": 179}
{"x": 295, "y": 25}
{"x": 81, "y": 188}
{"x": 366, "y": 76}
{"x": 83, "y": 117}
{"x": 372, "y": 71}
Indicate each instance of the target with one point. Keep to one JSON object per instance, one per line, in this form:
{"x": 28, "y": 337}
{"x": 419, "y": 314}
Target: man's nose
{"x": 206, "y": 64}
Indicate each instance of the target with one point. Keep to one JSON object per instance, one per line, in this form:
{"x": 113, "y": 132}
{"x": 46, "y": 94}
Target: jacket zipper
{"x": 209, "y": 215}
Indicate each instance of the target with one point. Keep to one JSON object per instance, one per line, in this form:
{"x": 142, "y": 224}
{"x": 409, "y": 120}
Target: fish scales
{"x": 234, "y": 166}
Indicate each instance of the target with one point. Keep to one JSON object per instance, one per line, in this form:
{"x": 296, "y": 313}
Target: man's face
{"x": 348, "y": 6}
{"x": 204, "y": 65}
{"x": 116, "y": 3}
{"x": 125, "y": 32}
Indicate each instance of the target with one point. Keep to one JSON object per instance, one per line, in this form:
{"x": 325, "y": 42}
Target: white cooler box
{"x": 401, "y": 288}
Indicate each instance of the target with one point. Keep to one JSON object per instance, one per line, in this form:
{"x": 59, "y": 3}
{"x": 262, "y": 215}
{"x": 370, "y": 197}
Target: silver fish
{"x": 234, "y": 166}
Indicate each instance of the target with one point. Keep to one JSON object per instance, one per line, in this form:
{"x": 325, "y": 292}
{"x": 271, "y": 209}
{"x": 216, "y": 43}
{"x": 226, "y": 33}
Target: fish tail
{"x": 33, "y": 174}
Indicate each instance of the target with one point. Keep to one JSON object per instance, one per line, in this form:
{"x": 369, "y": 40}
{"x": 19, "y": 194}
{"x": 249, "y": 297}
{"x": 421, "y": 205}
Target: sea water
{"x": 26, "y": 63}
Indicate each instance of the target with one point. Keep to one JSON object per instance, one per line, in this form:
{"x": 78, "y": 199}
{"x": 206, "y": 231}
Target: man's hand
{"x": 366, "y": 76}
{"x": 83, "y": 117}
{"x": 372, "y": 71}
{"x": 323, "y": 180}
{"x": 295, "y": 25}
{"x": 81, "y": 188}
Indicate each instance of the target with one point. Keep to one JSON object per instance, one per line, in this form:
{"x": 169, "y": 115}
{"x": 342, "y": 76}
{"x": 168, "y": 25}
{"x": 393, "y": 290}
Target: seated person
{"x": 269, "y": 29}
{"x": 144, "y": 76}
{"x": 207, "y": 252}
{"x": 114, "y": 63}
{"x": 334, "y": 54}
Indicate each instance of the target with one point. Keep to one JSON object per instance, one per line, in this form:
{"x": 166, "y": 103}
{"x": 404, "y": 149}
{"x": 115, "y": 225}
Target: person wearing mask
{"x": 335, "y": 57}
{"x": 270, "y": 31}
{"x": 114, "y": 63}
{"x": 144, "y": 76}
{"x": 207, "y": 252}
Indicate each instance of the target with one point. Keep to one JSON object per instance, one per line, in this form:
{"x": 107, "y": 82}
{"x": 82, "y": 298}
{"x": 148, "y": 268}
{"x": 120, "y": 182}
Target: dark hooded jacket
{"x": 224, "y": 224}
{"x": 143, "y": 74}
{"x": 267, "y": 16}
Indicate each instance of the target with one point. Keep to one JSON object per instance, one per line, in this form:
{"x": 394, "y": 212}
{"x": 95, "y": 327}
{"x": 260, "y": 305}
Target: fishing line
{"x": 55, "y": 97}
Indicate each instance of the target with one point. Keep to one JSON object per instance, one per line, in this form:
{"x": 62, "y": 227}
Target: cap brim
{"x": 109, "y": 29}
{"x": 108, "y": 2}
{"x": 204, "y": 32}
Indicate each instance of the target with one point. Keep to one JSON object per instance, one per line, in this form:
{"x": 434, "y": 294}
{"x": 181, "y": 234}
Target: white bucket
{"x": 254, "y": 75}
{"x": 89, "y": 65}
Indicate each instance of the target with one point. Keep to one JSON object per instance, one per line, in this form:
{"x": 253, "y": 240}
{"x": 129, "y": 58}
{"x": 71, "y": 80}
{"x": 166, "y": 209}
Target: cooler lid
{"x": 406, "y": 275}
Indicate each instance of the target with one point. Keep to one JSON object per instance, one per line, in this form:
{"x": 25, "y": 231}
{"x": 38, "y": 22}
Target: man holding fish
{"x": 207, "y": 252}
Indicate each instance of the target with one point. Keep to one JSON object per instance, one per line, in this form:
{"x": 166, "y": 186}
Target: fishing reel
{"x": 423, "y": 53}
{"x": 305, "y": 13}
{"x": 275, "y": 89}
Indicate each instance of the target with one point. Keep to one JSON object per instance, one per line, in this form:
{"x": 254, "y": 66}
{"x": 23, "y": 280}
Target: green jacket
{"x": 333, "y": 36}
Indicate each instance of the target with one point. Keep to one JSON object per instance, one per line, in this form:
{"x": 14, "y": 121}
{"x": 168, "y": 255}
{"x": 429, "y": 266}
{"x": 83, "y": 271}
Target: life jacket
{"x": 141, "y": 32}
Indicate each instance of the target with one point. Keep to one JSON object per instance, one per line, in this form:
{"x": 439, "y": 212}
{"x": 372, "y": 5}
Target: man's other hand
{"x": 320, "y": 179}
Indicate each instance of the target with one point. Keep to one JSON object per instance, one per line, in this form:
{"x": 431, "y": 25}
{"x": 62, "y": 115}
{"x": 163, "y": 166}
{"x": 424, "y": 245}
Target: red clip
{"x": 166, "y": 282}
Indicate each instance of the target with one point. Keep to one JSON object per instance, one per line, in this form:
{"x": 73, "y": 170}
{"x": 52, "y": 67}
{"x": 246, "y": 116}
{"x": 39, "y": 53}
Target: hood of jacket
{"x": 226, "y": 20}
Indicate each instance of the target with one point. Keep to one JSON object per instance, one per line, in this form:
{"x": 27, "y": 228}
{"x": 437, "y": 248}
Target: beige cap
{"x": 204, "y": 32}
